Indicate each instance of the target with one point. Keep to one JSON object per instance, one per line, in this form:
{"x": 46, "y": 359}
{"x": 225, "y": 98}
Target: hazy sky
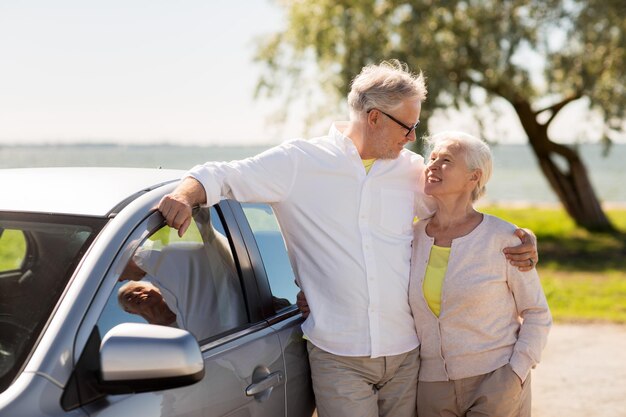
{"x": 132, "y": 70}
{"x": 146, "y": 71}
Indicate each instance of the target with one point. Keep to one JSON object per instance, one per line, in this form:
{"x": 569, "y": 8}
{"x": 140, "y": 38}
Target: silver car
{"x": 106, "y": 311}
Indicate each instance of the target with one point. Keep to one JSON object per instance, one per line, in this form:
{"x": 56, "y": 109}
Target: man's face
{"x": 388, "y": 138}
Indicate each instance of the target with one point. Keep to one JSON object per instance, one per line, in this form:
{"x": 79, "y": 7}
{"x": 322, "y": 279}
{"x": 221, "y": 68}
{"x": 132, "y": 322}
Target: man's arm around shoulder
{"x": 524, "y": 256}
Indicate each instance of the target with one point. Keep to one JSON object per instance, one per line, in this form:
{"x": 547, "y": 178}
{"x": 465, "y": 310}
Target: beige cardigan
{"x": 491, "y": 313}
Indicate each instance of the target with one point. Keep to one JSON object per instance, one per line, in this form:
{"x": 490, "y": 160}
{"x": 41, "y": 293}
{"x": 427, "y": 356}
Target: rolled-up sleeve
{"x": 265, "y": 178}
{"x": 536, "y": 319}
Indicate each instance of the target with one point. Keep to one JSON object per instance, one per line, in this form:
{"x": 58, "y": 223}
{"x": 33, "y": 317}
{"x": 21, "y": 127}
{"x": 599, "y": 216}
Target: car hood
{"x": 77, "y": 191}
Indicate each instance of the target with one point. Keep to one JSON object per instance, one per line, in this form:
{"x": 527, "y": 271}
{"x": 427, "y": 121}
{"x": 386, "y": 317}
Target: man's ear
{"x": 372, "y": 117}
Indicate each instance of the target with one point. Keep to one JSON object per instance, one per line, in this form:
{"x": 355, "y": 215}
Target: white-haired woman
{"x": 482, "y": 323}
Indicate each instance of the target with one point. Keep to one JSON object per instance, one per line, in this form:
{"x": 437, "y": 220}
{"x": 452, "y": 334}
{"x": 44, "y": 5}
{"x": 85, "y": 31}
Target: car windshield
{"x": 38, "y": 255}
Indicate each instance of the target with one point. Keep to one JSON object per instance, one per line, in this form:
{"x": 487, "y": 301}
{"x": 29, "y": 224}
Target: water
{"x": 517, "y": 177}
{"x": 164, "y": 156}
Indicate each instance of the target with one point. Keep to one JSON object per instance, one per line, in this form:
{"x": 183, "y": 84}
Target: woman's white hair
{"x": 384, "y": 87}
{"x": 477, "y": 156}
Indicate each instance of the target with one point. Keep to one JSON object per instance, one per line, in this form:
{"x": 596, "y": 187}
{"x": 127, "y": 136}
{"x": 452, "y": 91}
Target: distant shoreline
{"x": 517, "y": 180}
{"x": 210, "y": 145}
{"x": 109, "y": 145}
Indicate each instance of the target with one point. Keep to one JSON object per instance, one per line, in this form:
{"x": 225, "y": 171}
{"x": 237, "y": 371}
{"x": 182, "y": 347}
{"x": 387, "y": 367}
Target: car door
{"x": 274, "y": 274}
{"x": 244, "y": 365}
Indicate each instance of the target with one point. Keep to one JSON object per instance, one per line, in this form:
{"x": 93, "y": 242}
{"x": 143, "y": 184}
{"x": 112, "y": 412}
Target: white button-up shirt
{"x": 348, "y": 234}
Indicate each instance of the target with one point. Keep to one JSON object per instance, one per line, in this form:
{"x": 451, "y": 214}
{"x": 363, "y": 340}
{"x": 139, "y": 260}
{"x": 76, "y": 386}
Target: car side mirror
{"x": 133, "y": 357}
{"x": 136, "y": 357}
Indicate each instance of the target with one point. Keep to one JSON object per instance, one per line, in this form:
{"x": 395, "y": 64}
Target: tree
{"x": 474, "y": 53}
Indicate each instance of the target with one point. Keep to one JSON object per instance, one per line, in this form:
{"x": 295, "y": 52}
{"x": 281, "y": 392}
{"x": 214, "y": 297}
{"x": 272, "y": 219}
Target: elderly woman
{"x": 482, "y": 323}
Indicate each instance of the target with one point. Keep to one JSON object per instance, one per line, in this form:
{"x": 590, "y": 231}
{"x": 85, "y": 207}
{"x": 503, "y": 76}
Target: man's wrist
{"x": 191, "y": 192}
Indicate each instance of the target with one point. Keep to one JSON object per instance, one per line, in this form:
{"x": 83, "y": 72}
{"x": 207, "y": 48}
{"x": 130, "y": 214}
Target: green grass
{"x": 12, "y": 250}
{"x": 583, "y": 274}
{"x": 585, "y": 297}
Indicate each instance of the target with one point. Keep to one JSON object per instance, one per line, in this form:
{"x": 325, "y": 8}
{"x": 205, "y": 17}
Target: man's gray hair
{"x": 384, "y": 87}
{"x": 477, "y": 156}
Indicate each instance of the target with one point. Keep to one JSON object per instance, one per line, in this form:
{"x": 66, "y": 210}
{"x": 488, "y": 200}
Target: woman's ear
{"x": 476, "y": 175}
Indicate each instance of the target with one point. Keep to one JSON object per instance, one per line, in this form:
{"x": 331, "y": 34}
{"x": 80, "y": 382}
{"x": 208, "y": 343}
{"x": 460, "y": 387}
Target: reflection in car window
{"x": 191, "y": 283}
{"x": 272, "y": 248}
{"x": 38, "y": 255}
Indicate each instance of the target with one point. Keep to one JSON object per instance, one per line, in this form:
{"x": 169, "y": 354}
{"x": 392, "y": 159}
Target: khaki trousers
{"x": 498, "y": 394}
{"x": 348, "y": 386}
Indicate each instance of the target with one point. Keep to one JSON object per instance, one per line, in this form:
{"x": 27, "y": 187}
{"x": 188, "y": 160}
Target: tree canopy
{"x": 536, "y": 55}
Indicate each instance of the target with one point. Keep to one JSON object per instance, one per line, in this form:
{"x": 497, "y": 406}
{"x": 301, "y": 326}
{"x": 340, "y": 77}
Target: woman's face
{"x": 447, "y": 172}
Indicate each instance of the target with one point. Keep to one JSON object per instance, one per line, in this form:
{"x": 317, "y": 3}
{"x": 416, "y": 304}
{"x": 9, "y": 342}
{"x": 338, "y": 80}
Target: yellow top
{"x": 433, "y": 278}
{"x": 367, "y": 163}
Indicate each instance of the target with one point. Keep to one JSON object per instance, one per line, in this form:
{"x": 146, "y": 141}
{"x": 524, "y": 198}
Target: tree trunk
{"x": 571, "y": 184}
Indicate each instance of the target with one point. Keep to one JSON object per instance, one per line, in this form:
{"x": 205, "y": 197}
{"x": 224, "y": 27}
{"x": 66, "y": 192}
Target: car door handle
{"x": 265, "y": 384}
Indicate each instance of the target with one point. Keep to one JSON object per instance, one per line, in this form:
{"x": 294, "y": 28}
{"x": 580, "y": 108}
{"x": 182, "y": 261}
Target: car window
{"x": 273, "y": 252}
{"x": 12, "y": 249}
{"x": 38, "y": 255}
{"x": 190, "y": 282}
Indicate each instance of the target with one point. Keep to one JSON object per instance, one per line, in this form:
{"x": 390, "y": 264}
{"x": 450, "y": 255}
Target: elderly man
{"x": 345, "y": 203}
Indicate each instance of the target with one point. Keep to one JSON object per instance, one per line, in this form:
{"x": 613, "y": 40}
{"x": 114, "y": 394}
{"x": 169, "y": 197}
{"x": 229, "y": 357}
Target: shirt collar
{"x": 335, "y": 134}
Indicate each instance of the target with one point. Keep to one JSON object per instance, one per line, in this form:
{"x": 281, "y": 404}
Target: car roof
{"x": 77, "y": 191}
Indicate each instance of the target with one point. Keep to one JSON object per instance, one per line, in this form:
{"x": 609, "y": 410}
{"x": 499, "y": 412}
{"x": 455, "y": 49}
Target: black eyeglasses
{"x": 408, "y": 128}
